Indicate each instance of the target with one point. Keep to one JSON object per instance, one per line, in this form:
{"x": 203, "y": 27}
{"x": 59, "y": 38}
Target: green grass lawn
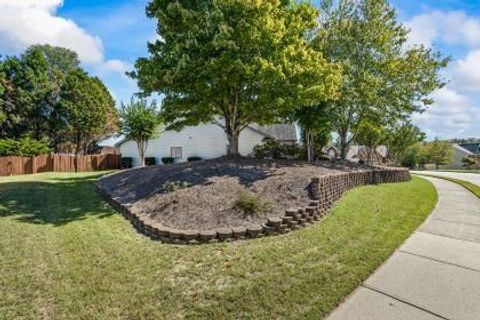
{"x": 64, "y": 253}
{"x": 475, "y": 189}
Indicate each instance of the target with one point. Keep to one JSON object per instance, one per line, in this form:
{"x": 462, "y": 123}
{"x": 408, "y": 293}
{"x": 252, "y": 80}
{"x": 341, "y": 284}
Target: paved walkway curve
{"x": 471, "y": 177}
{"x": 435, "y": 274}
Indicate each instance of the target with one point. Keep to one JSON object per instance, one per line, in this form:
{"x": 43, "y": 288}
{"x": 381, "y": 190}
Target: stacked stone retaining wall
{"x": 324, "y": 191}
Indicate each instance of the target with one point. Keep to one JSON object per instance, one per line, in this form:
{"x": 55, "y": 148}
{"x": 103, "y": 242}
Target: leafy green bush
{"x": 251, "y": 203}
{"x": 172, "y": 186}
{"x": 25, "y": 147}
{"x": 127, "y": 162}
{"x": 168, "y": 160}
{"x": 150, "y": 161}
{"x": 274, "y": 149}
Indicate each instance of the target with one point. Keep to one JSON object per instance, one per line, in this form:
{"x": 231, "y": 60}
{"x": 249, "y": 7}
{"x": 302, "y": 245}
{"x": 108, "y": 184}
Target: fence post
{"x": 34, "y": 164}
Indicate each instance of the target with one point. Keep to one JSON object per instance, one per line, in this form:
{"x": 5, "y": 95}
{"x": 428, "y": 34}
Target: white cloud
{"x": 453, "y": 27}
{"x": 465, "y": 72}
{"x": 27, "y": 22}
{"x": 118, "y": 66}
{"x": 452, "y": 115}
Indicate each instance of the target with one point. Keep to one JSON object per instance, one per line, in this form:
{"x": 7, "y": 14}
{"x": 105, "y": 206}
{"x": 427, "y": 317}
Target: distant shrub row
{"x": 127, "y": 162}
{"x": 26, "y": 147}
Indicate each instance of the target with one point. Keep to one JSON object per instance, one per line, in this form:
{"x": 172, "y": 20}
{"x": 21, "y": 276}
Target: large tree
{"x": 234, "y": 62}
{"x": 86, "y": 106}
{"x": 440, "y": 152}
{"x": 314, "y": 121}
{"x": 38, "y": 102}
{"x": 383, "y": 79}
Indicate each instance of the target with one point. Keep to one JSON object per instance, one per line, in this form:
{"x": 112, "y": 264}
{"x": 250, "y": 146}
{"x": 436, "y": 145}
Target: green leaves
{"x": 241, "y": 60}
{"x": 140, "y": 122}
{"x": 24, "y": 147}
{"x": 47, "y": 96}
{"x": 87, "y": 107}
{"x": 383, "y": 80}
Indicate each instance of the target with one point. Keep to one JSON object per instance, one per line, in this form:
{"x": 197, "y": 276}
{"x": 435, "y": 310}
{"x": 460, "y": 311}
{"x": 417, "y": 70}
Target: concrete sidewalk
{"x": 434, "y": 275}
{"x": 471, "y": 177}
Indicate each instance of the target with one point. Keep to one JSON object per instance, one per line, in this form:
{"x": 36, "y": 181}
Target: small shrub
{"x": 273, "y": 149}
{"x": 172, "y": 186}
{"x": 192, "y": 159}
{"x": 252, "y": 204}
{"x": 127, "y": 162}
{"x": 168, "y": 160}
{"x": 150, "y": 161}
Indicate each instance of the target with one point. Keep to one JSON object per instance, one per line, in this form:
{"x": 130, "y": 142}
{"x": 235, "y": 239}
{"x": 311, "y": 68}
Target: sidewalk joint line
{"x": 440, "y": 261}
{"x": 456, "y": 222}
{"x": 441, "y": 235}
{"x": 456, "y": 238}
{"x": 404, "y": 301}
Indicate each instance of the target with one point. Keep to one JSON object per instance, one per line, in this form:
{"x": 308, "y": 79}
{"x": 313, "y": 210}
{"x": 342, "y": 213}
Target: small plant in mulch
{"x": 172, "y": 186}
{"x": 252, "y": 204}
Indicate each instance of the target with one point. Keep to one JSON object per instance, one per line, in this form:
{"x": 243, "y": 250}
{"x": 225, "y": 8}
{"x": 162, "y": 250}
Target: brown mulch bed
{"x": 214, "y": 187}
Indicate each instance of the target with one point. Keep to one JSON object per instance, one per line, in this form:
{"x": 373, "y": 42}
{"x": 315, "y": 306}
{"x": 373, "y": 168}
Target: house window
{"x": 176, "y": 152}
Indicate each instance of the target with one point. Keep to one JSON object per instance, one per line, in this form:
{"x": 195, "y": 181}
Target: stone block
{"x": 190, "y": 234}
{"x": 206, "y": 235}
{"x": 239, "y": 232}
{"x": 224, "y": 233}
{"x": 254, "y": 230}
{"x": 274, "y": 222}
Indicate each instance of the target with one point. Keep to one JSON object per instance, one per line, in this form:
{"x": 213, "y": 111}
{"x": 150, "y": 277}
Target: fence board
{"x": 58, "y": 163}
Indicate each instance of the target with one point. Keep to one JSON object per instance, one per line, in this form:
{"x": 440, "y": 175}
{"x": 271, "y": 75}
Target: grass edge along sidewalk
{"x": 473, "y": 188}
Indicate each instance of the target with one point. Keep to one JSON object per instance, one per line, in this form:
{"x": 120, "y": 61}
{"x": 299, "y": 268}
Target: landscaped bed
{"x": 205, "y": 194}
{"x": 66, "y": 254}
{"x": 231, "y": 199}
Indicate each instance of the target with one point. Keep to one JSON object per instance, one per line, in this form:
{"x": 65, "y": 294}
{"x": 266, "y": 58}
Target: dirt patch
{"x": 202, "y": 195}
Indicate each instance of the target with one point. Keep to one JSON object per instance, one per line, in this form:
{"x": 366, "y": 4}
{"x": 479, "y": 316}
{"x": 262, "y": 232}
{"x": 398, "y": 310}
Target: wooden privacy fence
{"x": 58, "y": 163}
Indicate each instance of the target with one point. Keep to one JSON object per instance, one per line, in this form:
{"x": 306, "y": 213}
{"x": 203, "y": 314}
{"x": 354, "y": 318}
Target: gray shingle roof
{"x": 472, "y": 147}
{"x": 282, "y": 132}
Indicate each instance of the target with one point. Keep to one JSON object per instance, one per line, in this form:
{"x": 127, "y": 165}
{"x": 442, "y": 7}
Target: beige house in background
{"x": 461, "y": 151}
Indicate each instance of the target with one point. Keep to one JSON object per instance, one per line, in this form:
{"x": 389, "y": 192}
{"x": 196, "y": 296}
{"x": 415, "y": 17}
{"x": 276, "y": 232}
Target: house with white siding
{"x": 206, "y": 141}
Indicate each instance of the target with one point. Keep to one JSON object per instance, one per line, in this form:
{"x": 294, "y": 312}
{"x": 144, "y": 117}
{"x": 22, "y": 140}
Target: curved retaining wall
{"x": 324, "y": 191}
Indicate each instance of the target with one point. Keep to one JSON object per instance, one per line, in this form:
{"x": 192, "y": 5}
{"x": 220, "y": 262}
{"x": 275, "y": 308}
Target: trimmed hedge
{"x": 192, "y": 159}
{"x": 127, "y": 162}
{"x": 168, "y": 160}
{"x": 150, "y": 161}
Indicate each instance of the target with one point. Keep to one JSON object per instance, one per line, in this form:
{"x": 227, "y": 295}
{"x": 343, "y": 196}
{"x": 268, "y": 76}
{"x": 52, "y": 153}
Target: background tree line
{"x": 46, "y": 97}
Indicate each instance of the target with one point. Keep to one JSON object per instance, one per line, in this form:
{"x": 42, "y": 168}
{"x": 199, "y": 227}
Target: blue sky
{"x": 109, "y": 35}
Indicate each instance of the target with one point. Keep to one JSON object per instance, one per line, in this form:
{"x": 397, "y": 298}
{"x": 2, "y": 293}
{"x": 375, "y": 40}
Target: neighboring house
{"x": 357, "y": 153}
{"x": 207, "y": 141}
{"x": 461, "y": 151}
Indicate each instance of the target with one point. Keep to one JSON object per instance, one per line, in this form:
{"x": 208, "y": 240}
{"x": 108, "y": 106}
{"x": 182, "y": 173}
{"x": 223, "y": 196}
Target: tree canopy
{"x": 140, "y": 122}
{"x": 86, "y": 106}
{"x": 234, "y": 62}
{"x": 40, "y": 98}
{"x": 383, "y": 79}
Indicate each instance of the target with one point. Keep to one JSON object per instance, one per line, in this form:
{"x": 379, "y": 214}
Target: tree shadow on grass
{"x": 56, "y": 201}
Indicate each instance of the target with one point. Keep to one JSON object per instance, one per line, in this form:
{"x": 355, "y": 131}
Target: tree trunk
{"x": 307, "y": 142}
{"x": 343, "y": 145}
{"x": 232, "y": 144}
{"x": 142, "y": 147}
